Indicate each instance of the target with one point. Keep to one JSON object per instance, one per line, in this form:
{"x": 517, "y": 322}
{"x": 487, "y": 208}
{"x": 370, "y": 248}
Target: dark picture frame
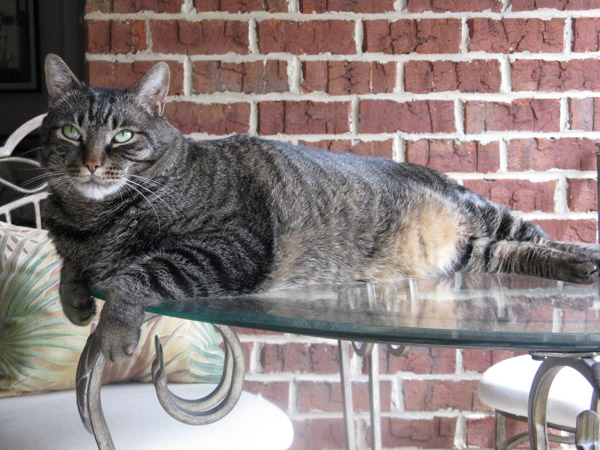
{"x": 18, "y": 46}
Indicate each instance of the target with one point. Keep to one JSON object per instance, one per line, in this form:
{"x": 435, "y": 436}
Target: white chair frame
{"x": 36, "y": 195}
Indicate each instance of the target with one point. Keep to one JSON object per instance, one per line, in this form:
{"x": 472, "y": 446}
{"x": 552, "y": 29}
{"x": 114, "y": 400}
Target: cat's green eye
{"x": 70, "y": 132}
{"x": 123, "y": 136}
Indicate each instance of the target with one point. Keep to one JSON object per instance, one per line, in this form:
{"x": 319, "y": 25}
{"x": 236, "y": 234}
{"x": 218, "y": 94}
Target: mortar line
{"x": 464, "y": 35}
{"x": 460, "y": 432}
{"x": 253, "y": 120}
{"x": 252, "y": 38}
{"x": 195, "y": 16}
{"x": 560, "y": 196}
{"x": 351, "y": 57}
{"x": 503, "y": 155}
{"x": 188, "y": 77}
{"x": 358, "y": 37}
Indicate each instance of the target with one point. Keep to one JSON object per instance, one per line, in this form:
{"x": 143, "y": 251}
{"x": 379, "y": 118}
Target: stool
{"x": 505, "y": 387}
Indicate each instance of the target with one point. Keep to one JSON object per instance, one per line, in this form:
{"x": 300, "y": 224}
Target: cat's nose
{"x": 92, "y": 165}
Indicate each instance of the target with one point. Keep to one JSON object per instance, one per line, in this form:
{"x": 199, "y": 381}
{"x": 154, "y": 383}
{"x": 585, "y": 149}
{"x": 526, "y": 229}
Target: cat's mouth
{"x": 95, "y": 189}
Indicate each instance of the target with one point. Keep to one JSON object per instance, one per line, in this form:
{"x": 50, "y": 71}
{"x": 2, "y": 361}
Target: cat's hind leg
{"x": 490, "y": 255}
{"x": 589, "y": 250}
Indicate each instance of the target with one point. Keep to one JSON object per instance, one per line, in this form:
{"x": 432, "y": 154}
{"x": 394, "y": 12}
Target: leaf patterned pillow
{"x": 40, "y": 348}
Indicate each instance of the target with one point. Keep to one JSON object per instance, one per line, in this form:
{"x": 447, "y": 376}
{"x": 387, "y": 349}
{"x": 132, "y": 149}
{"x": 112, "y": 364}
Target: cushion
{"x": 505, "y": 386}
{"x": 40, "y": 348}
{"x": 137, "y": 421}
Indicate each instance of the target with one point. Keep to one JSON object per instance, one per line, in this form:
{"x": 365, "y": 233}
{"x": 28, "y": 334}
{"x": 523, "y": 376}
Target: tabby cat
{"x": 141, "y": 211}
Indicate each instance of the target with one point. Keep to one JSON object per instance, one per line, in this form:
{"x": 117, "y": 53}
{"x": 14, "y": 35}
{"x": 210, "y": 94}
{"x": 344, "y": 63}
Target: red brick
{"x": 520, "y": 115}
{"x": 417, "y": 6}
{"x": 311, "y": 434}
{"x": 371, "y": 6}
{"x": 532, "y": 5}
{"x": 98, "y": 5}
{"x": 313, "y": 37}
{"x": 386, "y": 116}
{"x": 128, "y": 36}
{"x": 97, "y": 34}
{"x": 274, "y": 391}
{"x": 120, "y": 75}
{"x": 556, "y": 76}
{"x": 160, "y": 6}
{"x": 437, "y": 76}
{"x": 420, "y": 433}
{"x": 408, "y": 36}
{"x": 570, "y": 230}
{"x": 478, "y": 360}
{"x": 585, "y": 34}
{"x": 430, "y": 76}
{"x": 247, "y": 350}
{"x": 327, "y": 397}
{"x": 582, "y": 195}
{"x": 218, "y": 119}
{"x": 420, "y": 360}
{"x": 255, "y": 332}
{"x": 454, "y": 156}
{"x": 516, "y": 35}
{"x": 518, "y": 195}
{"x": 241, "y": 5}
{"x": 584, "y": 113}
{"x": 303, "y": 117}
{"x": 133, "y": 6}
{"x": 105, "y": 36}
{"x": 346, "y": 77}
{"x": 258, "y": 77}
{"x": 546, "y": 154}
{"x": 382, "y": 149}
{"x": 433, "y": 395}
{"x": 299, "y": 358}
{"x": 206, "y": 37}
{"x": 480, "y": 431}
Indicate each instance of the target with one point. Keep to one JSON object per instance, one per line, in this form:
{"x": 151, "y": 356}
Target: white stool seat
{"x": 506, "y": 385}
{"x": 137, "y": 421}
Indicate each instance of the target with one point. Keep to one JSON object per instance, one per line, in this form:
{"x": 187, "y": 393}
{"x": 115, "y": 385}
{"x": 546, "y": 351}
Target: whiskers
{"x": 50, "y": 180}
{"x": 154, "y": 189}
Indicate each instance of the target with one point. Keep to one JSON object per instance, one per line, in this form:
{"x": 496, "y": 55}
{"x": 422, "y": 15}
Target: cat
{"x": 145, "y": 213}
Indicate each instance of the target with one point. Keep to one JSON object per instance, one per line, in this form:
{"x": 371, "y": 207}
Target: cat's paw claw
{"x": 117, "y": 342}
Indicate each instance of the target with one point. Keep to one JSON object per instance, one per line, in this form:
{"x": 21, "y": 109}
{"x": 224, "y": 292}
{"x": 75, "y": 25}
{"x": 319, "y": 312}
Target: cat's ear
{"x": 59, "y": 78}
{"x": 151, "y": 91}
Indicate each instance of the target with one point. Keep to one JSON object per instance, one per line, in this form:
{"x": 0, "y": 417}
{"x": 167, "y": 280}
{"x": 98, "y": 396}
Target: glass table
{"x": 558, "y": 322}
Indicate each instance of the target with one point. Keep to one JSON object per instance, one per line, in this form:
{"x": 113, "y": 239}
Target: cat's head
{"x": 100, "y": 141}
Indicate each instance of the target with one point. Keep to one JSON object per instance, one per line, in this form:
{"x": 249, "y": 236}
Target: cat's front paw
{"x": 580, "y": 269}
{"x": 117, "y": 341}
{"x": 77, "y": 303}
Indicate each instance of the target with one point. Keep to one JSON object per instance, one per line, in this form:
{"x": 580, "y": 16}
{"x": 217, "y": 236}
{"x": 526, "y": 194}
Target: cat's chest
{"x": 101, "y": 255}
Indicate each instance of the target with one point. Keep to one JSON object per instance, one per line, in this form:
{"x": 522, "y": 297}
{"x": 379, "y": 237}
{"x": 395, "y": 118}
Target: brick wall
{"x": 501, "y": 95}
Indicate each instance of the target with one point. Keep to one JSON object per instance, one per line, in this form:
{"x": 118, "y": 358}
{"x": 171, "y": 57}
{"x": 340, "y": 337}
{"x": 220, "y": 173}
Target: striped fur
{"x": 163, "y": 216}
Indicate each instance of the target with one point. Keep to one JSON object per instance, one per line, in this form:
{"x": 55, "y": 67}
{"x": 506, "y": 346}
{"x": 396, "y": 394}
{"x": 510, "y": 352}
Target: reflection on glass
{"x": 471, "y": 308}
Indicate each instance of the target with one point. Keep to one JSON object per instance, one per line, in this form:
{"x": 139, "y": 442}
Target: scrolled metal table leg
{"x": 374, "y": 398}
{"x": 538, "y": 396}
{"x": 346, "y": 380}
{"x": 217, "y": 404}
{"x": 587, "y": 434}
{"x": 89, "y": 381}
{"x": 195, "y": 412}
{"x": 370, "y": 351}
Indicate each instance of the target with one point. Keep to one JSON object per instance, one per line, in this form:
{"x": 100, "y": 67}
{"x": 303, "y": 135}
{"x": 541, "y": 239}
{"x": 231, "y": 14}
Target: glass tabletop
{"x": 461, "y": 310}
